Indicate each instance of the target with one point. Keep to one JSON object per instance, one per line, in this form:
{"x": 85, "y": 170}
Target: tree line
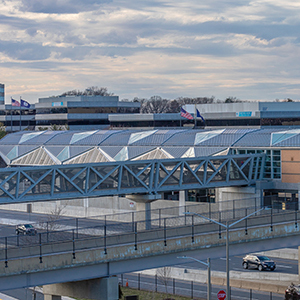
{"x": 156, "y": 104}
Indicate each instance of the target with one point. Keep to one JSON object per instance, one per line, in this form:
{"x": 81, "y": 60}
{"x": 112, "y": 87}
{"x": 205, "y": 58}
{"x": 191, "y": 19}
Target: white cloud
{"x": 247, "y": 49}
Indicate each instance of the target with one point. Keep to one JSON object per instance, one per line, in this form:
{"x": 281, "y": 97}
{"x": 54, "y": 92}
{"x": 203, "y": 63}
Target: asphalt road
{"x": 235, "y": 264}
{"x": 198, "y": 290}
{"x": 191, "y": 289}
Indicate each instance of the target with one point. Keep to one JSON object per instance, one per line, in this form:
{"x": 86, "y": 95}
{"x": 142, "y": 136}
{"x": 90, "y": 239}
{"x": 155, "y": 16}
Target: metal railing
{"x": 107, "y": 235}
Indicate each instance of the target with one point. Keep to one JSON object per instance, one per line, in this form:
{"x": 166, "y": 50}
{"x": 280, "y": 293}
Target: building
{"x": 78, "y": 112}
{"x": 2, "y": 93}
{"x": 254, "y": 114}
{"x": 280, "y": 178}
{"x": 249, "y": 113}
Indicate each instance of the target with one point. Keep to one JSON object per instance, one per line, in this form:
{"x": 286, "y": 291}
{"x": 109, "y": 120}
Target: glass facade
{"x": 2, "y": 93}
{"x": 272, "y": 161}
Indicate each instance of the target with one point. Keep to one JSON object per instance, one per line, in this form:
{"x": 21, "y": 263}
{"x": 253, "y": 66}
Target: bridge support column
{"x": 97, "y": 289}
{"x": 181, "y": 202}
{"x": 143, "y": 203}
{"x": 52, "y": 297}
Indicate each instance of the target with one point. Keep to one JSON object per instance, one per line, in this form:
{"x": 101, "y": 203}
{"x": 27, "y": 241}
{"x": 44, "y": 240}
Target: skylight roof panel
{"x": 55, "y": 150}
{"x": 62, "y": 138}
{"x": 112, "y": 151}
{"x": 5, "y": 149}
{"x": 207, "y": 151}
{"x": 26, "y": 148}
{"x": 182, "y": 138}
{"x": 11, "y": 139}
{"x": 75, "y": 150}
{"x": 136, "y": 151}
{"x": 95, "y": 139}
{"x": 176, "y": 151}
{"x": 120, "y": 139}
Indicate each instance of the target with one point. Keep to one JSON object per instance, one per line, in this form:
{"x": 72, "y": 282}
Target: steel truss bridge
{"x": 40, "y": 183}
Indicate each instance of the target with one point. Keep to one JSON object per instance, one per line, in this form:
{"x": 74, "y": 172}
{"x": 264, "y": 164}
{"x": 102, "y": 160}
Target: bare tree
{"x": 51, "y": 223}
{"x": 163, "y": 276}
{"x": 90, "y": 91}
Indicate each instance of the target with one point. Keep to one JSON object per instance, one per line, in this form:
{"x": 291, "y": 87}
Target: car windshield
{"x": 263, "y": 258}
{"x": 28, "y": 226}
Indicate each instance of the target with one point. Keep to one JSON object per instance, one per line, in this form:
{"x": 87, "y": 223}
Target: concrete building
{"x": 244, "y": 114}
{"x": 81, "y": 112}
{"x": 248, "y": 113}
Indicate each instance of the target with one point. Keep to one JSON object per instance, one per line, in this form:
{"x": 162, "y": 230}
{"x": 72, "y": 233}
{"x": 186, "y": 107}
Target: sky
{"x": 222, "y": 48}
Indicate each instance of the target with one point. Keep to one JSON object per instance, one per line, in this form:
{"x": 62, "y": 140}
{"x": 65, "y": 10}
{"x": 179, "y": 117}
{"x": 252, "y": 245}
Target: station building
{"x": 279, "y": 181}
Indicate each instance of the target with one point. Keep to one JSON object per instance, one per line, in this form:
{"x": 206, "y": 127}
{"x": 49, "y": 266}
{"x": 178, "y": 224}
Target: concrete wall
{"x": 98, "y": 289}
{"x": 100, "y": 206}
{"x": 245, "y": 194}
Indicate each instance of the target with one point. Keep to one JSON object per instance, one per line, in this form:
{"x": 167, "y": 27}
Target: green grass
{"x": 151, "y": 295}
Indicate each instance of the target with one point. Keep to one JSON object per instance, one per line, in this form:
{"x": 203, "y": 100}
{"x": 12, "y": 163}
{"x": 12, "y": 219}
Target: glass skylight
{"x": 204, "y": 136}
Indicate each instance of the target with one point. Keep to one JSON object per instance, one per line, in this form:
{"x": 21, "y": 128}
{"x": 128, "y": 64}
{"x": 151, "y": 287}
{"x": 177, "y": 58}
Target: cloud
{"x": 141, "y": 48}
{"x": 60, "y": 6}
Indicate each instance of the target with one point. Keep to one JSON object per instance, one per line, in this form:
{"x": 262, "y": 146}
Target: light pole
{"x": 227, "y": 226}
{"x": 208, "y": 273}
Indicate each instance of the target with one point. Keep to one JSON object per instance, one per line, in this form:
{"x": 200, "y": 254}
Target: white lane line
{"x": 283, "y": 266}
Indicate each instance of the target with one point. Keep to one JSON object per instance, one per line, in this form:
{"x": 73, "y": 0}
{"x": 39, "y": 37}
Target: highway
{"x": 283, "y": 265}
{"x": 193, "y": 290}
{"x": 235, "y": 264}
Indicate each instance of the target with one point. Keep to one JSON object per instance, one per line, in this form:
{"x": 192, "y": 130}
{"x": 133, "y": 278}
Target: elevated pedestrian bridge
{"x": 40, "y": 183}
{"x": 63, "y": 256}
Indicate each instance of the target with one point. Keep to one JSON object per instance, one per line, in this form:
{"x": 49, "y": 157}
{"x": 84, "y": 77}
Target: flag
{"x": 185, "y": 114}
{"x": 199, "y": 116}
{"x": 14, "y": 102}
{"x": 25, "y": 103}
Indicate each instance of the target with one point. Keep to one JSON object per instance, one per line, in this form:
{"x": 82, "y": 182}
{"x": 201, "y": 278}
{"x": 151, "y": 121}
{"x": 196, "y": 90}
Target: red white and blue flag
{"x": 15, "y": 102}
{"x": 186, "y": 114}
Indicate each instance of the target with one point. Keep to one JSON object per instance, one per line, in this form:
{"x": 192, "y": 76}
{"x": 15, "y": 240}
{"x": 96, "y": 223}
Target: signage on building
{"x": 244, "y": 114}
{"x": 57, "y": 103}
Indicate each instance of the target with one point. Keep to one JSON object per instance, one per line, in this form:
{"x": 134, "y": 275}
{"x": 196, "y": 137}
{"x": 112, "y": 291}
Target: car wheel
{"x": 260, "y": 268}
{"x": 272, "y": 269}
{"x": 245, "y": 265}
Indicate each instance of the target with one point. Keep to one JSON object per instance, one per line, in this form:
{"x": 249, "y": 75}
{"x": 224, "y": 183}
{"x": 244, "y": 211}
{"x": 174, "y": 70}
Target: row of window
{"x": 87, "y": 110}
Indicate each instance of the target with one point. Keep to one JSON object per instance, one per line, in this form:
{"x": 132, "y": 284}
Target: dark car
{"x": 259, "y": 262}
{"x": 292, "y": 292}
{"x": 26, "y": 229}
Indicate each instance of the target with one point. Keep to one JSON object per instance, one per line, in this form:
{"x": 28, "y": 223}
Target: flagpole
{"x": 195, "y": 115}
{"x": 20, "y": 113}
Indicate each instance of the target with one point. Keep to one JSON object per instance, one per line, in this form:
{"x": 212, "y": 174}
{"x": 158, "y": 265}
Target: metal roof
{"x": 57, "y": 147}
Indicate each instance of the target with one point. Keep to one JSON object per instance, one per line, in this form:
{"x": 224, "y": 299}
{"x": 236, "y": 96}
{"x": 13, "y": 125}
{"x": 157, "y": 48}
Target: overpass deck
{"x": 46, "y": 259}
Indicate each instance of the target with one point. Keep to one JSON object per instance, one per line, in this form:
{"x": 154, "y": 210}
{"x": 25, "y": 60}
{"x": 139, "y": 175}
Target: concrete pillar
{"x": 52, "y": 297}
{"x": 143, "y": 203}
{"x": 181, "y": 202}
{"x": 298, "y": 262}
{"x": 96, "y": 289}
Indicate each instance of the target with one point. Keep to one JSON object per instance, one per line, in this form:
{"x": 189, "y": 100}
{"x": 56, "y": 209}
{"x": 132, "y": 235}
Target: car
{"x": 26, "y": 229}
{"x": 259, "y": 262}
{"x": 292, "y": 292}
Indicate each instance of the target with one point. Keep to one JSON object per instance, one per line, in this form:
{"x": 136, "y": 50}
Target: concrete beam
{"x": 96, "y": 289}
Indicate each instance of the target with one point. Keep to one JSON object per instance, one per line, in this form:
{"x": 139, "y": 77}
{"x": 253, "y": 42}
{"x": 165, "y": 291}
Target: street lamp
{"x": 227, "y": 226}
{"x": 208, "y": 273}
